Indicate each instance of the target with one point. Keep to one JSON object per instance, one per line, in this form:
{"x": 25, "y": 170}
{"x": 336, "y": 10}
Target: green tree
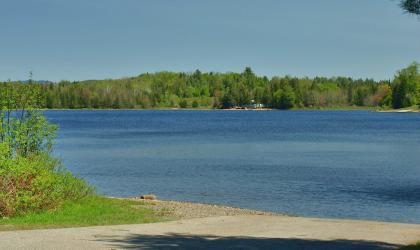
{"x": 359, "y": 97}
{"x": 227, "y": 100}
{"x": 406, "y": 85}
{"x": 411, "y": 6}
{"x": 284, "y": 98}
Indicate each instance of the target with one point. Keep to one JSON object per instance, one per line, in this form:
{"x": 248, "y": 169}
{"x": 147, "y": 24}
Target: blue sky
{"x": 95, "y": 39}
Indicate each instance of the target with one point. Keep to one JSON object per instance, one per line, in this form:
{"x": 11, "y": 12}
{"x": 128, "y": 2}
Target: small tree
{"x": 23, "y": 127}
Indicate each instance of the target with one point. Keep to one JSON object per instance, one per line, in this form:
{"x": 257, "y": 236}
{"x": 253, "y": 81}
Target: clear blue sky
{"x": 95, "y": 39}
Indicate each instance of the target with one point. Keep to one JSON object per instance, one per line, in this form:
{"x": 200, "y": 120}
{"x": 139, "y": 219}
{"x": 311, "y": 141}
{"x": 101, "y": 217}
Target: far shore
{"x": 349, "y": 108}
{"x": 400, "y": 111}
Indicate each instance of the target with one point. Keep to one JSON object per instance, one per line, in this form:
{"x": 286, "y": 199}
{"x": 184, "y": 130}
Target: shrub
{"x": 31, "y": 179}
{"x": 195, "y": 104}
{"x": 183, "y": 104}
{"x": 32, "y": 184}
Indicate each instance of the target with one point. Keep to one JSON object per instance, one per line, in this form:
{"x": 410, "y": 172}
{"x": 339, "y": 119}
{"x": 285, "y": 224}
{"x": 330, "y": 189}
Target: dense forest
{"x": 226, "y": 90}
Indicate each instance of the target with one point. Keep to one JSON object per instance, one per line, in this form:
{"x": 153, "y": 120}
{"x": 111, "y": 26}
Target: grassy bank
{"x": 90, "y": 211}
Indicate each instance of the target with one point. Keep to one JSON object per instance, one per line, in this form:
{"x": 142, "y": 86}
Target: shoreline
{"x": 400, "y": 111}
{"x": 179, "y": 210}
{"x": 231, "y": 109}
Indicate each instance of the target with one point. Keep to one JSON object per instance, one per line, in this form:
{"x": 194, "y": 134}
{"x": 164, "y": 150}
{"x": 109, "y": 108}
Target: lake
{"x": 337, "y": 164}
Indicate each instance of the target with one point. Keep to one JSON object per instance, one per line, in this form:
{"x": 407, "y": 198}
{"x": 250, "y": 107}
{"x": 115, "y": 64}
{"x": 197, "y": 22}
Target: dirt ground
{"x": 223, "y": 232}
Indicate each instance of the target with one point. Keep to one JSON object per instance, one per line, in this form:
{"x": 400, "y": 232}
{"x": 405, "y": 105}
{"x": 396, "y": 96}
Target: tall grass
{"x": 88, "y": 211}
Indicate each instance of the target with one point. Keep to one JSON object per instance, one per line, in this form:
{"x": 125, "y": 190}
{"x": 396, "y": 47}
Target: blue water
{"x": 341, "y": 164}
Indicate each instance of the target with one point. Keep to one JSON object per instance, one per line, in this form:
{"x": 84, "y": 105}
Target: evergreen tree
{"x": 411, "y": 6}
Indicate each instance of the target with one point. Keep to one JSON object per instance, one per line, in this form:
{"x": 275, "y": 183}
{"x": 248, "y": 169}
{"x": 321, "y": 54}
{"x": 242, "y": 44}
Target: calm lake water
{"x": 343, "y": 164}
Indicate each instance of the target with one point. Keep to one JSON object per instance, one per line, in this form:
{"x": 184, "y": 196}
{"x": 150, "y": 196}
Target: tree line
{"x": 229, "y": 90}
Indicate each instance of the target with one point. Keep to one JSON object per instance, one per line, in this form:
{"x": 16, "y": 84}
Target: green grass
{"x": 91, "y": 211}
{"x": 411, "y": 247}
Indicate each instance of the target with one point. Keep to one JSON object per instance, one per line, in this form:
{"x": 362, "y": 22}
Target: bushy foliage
{"x": 284, "y": 98}
{"x": 406, "y": 87}
{"x": 411, "y": 6}
{"x": 30, "y": 178}
{"x": 183, "y": 104}
{"x": 35, "y": 183}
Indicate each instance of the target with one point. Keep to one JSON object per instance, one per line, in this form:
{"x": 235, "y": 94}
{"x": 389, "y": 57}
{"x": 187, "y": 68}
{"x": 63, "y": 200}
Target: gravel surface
{"x": 203, "y": 226}
{"x": 189, "y": 210}
{"x": 222, "y": 232}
